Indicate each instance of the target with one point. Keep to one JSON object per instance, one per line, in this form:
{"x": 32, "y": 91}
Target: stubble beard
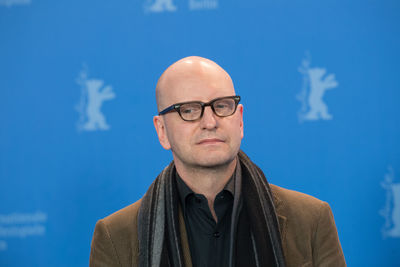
{"x": 203, "y": 162}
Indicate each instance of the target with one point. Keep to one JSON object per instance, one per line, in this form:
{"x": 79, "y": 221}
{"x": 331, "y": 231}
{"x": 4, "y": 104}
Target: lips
{"x": 210, "y": 141}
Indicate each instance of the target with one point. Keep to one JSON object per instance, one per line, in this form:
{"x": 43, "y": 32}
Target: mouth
{"x": 210, "y": 141}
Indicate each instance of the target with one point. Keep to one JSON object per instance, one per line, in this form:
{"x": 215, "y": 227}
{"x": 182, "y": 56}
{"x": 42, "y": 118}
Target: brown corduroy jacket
{"x": 307, "y": 228}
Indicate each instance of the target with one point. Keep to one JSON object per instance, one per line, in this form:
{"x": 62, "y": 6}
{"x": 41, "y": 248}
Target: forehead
{"x": 202, "y": 83}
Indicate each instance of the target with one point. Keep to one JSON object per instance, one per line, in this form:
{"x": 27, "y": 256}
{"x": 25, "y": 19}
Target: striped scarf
{"x": 158, "y": 222}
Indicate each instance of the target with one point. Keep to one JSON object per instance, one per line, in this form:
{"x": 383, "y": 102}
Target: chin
{"x": 206, "y": 157}
{"x": 214, "y": 160}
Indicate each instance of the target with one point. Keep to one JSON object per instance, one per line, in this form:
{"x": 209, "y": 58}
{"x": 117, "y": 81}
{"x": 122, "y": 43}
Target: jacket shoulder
{"x": 292, "y": 201}
{"x": 124, "y": 217}
{"x": 308, "y": 229}
{"x": 115, "y": 238}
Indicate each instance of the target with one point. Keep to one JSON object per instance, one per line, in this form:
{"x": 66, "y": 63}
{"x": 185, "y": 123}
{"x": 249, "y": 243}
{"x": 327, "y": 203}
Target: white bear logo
{"x": 160, "y": 6}
{"x": 391, "y": 211}
{"x": 93, "y": 94}
{"x": 315, "y": 84}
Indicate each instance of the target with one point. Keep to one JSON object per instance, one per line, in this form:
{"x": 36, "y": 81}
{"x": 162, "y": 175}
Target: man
{"x": 212, "y": 206}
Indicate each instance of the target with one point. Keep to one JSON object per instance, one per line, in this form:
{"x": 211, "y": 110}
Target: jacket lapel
{"x": 184, "y": 240}
{"x": 281, "y": 218}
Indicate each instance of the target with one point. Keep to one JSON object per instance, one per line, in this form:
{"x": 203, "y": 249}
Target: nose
{"x": 209, "y": 120}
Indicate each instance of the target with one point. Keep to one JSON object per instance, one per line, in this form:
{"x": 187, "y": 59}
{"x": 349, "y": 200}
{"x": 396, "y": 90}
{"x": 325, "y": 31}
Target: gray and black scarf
{"x": 158, "y": 222}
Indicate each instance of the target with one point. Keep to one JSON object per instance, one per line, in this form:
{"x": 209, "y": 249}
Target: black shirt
{"x": 208, "y": 240}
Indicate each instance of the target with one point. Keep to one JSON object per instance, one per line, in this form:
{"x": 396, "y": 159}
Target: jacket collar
{"x": 279, "y": 212}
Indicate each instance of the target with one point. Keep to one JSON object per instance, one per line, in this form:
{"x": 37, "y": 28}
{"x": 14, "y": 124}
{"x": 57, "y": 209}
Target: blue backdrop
{"x": 319, "y": 84}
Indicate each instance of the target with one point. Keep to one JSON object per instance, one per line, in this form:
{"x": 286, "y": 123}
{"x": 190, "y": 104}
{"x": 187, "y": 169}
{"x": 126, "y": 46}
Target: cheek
{"x": 178, "y": 135}
{"x": 236, "y": 130}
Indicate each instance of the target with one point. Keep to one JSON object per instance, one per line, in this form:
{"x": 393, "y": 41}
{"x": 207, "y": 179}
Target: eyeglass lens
{"x": 222, "y": 107}
{"x": 190, "y": 111}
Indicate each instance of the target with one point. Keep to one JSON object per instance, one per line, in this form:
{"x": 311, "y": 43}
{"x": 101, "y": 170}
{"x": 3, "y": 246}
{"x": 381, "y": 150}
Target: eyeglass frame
{"x": 176, "y": 107}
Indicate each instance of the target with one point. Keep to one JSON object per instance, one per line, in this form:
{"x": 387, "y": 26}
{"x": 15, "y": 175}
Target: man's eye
{"x": 190, "y": 109}
{"x": 187, "y": 110}
{"x": 221, "y": 105}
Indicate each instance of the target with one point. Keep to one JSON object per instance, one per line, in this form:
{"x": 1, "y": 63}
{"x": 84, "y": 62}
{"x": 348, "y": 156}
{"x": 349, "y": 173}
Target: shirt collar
{"x": 184, "y": 191}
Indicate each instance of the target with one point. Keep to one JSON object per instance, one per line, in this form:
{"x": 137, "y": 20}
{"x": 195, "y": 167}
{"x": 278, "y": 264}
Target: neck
{"x": 206, "y": 181}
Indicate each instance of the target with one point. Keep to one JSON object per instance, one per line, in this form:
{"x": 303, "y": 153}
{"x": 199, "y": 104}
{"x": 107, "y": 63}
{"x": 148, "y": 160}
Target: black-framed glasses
{"x": 194, "y": 110}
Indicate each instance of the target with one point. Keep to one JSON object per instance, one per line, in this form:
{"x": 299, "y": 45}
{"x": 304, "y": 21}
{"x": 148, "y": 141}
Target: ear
{"x": 161, "y": 132}
{"x": 240, "y": 109}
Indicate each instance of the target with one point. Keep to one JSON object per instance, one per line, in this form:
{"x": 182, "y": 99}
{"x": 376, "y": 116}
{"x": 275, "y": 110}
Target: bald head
{"x": 186, "y": 79}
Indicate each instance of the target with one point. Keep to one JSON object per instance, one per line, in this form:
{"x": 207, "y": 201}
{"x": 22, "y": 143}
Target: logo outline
{"x": 93, "y": 94}
{"x": 315, "y": 83}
